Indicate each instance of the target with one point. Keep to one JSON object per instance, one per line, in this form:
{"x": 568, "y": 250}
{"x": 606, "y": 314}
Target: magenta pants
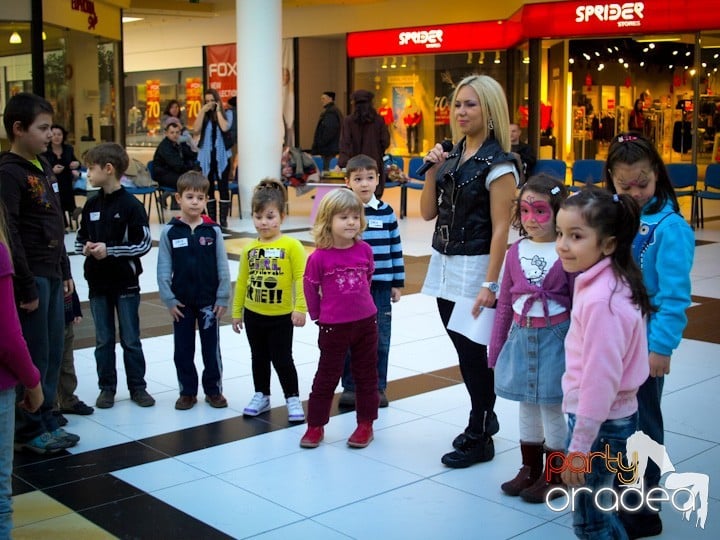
{"x": 334, "y": 340}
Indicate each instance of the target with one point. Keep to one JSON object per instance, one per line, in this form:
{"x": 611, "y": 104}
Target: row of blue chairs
{"x": 683, "y": 176}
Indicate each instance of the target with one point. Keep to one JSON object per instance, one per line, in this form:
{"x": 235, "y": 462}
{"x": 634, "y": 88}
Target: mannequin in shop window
{"x": 412, "y": 116}
{"x": 637, "y": 116}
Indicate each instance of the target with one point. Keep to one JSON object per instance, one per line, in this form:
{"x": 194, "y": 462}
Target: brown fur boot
{"x": 531, "y": 470}
{"x": 537, "y": 492}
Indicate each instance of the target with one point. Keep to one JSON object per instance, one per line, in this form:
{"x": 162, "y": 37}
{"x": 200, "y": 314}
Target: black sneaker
{"x": 142, "y": 398}
{"x": 105, "y": 400}
{"x": 60, "y": 419}
{"x": 475, "y": 449}
{"x": 79, "y": 407}
{"x": 347, "y": 399}
{"x": 493, "y": 426}
{"x": 383, "y": 399}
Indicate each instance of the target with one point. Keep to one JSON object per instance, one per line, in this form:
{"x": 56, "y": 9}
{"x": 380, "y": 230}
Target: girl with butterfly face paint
{"x": 527, "y": 343}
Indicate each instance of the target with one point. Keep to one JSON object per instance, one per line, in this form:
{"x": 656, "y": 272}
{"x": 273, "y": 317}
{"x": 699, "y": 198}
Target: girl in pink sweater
{"x": 16, "y": 366}
{"x": 337, "y": 291}
{"x": 605, "y": 348}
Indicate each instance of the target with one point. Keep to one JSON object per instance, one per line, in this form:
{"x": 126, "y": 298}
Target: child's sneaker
{"x": 362, "y": 436}
{"x": 61, "y": 435}
{"x": 43, "y": 444}
{"x": 295, "y": 410}
{"x": 259, "y": 404}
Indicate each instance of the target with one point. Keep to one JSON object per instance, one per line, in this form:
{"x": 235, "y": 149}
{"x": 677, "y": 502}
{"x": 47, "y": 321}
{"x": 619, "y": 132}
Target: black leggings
{"x": 221, "y": 177}
{"x": 270, "y": 338}
{"x": 479, "y": 378}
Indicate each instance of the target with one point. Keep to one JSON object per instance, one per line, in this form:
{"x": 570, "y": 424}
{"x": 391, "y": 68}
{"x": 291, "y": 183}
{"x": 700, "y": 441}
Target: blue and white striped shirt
{"x": 383, "y": 235}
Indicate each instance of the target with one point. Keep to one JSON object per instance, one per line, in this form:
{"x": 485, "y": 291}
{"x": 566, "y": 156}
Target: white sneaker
{"x": 295, "y": 410}
{"x": 259, "y": 404}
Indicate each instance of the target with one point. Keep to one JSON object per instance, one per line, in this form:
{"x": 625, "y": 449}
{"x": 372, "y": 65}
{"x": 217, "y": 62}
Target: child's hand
{"x": 659, "y": 365}
{"x": 395, "y": 295}
{"x": 77, "y": 320}
{"x": 57, "y": 169}
{"x": 297, "y": 318}
{"x": 176, "y": 313}
{"x": 32, "y": 399}
{"x": 219, "y": 311}
{"x": 237, "y": 325}
{"x": 68, "y": 286}
{"x": 98, "y": 250}
{"x": 30, "y": 306}
{"x": 574, "y": 479}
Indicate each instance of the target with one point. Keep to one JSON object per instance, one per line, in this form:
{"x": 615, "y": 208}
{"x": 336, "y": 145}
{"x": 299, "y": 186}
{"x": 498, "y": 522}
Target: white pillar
{"x": 259, "y": 95}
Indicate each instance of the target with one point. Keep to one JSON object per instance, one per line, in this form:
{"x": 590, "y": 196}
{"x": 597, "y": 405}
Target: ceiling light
{"x": 626, "y": 65}
{"x": 704, "y": 64}
{"x": 404, "y": 62}
{"x": 716, "y": 55}
{"x": 526, "y": 60}
{"x": 384, "y": 63}
{"x": 131, "y": 19}
{"x": 652, "y": 45}
{"x": 670, "y": 66}
{"x": 674, "y": 53}
{"x": 645, "y": 49}
{"x": 688, "y": 53}
{"x": 44, "y": 35}
{"x": 587, "y": 56}
{"x": 469, "y": 58}
{"x": 497, "y": 57}
{"x": 481, "y": 58}
{"x": 15, "y": 38}
{"x": 572, "y": 60}
{"x": 692, "y": 72}
{"x": 610, "y": 50}
{"x": 597, "y": 53}
{"x": 393, "y": 63}
{"x": 642, "y": 64}
{"x": 621, "y": 61}
{"x": 601, "y": 67}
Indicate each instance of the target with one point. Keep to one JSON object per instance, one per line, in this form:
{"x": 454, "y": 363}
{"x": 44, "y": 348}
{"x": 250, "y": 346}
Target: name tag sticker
{"x": 56, "y": 187}
{"x": 94, "y": 216}
{"x": 180, "y": 242}
{"x": 273, "y": 253}
{"x": 375, "y": 223}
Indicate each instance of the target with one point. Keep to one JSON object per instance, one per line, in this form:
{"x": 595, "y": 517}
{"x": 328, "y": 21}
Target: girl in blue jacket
{"x": 664, "y": 249}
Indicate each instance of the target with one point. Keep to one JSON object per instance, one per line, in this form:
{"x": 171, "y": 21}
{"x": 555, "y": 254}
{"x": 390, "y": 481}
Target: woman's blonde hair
{"x": 337, "y": 201}
{"x": 494, "y": 108}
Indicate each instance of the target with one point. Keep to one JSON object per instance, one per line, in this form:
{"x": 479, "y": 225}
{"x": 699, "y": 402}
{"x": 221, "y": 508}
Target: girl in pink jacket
{"x": 605, "y": 350}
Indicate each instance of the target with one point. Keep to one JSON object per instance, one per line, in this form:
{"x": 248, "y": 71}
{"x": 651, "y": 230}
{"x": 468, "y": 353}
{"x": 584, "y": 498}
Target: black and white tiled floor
{"x": 209, "y": 473}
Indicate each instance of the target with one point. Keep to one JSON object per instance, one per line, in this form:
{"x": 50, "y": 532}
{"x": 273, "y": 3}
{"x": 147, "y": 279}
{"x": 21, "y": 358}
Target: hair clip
{"x": 627, "y": 138}
{"x": 616, "y": 198}
{"x": 555, "y": 190}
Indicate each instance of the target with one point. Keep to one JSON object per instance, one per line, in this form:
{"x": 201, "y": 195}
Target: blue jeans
{"x": 184, "y": 335}
{"x": 7, "y": 428}
{"x": 380, "y": 291}
{"x": 103, "y": 311}
{"x": 44, "y": 332}
{"x": 589, "y": 522}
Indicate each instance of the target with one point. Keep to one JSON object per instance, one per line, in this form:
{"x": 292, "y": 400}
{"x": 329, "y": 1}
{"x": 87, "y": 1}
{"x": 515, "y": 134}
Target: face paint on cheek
{"x": 540, "y": 211}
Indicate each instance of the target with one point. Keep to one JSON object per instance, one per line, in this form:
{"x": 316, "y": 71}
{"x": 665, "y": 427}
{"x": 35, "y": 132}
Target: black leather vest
{"x": 463, "y": 225}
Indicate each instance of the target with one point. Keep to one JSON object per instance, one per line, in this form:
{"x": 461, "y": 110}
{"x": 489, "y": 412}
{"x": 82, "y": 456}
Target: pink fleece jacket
{"x": 15, "y": 362}
{"x": 606, "y": 352}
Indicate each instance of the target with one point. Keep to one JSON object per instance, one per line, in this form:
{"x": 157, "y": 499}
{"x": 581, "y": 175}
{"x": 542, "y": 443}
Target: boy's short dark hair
{"x": 24, "y": 108}
{"x": 109, "y": 152}
{"x": 361, "y": 162}
{"x": 192, "y": 181}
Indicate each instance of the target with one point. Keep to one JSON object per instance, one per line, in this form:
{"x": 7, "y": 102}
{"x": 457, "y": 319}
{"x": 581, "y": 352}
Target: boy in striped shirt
{"x": 383, "y": 235}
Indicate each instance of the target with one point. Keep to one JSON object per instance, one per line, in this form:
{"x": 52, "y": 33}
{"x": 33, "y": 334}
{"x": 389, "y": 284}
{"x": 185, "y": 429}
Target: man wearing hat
{"x": 327, "y": 133}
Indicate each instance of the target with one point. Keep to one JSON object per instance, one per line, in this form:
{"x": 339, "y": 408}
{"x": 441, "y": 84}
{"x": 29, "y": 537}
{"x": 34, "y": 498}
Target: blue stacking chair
{"x": 683, "y": 177}
{"x": 235, "y": 192}
{"x": 162, "y": 192}
{"x": 552, "y": 167}
{"x": 318, "y": 163}
{"x": 333, "y": 164}
{"x": 416, "y": 181}
{"x": 712, "y": 182}
{"x": 586, "y": 172}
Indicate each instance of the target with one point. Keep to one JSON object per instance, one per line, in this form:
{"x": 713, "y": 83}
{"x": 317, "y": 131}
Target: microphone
{"x": 427, "y": 165}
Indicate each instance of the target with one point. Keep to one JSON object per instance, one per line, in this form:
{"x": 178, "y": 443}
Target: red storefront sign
{"x": 548, "y": 20}
{"x": 193, "y": 98}
{"x": 152, "y": 102}
{"x": 221, "y": 63}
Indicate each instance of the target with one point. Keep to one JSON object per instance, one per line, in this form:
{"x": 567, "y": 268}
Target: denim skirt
{"x": 531, "y": 364}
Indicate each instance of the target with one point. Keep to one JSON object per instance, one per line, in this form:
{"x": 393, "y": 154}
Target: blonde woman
{"x": 469, "y": 191}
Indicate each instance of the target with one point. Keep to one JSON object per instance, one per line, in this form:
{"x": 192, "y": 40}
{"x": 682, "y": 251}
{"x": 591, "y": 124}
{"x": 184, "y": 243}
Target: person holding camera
{"x": 213, "y": 154}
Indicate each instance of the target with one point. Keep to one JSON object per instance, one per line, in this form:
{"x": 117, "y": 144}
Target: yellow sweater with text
{"x": 270, "y": 279}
